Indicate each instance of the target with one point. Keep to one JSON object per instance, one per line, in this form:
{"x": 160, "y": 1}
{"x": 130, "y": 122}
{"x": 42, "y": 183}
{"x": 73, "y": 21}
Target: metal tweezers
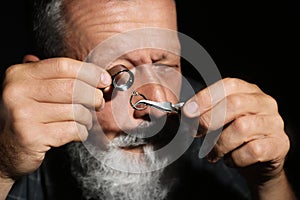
{"x": 164, "y": 106}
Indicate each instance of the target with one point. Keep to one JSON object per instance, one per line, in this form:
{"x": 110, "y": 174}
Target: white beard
{"x": 99, "y": 181}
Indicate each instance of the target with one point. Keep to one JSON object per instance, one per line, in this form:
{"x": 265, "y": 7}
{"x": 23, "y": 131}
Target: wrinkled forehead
{"x": 161, "y": 41}
{"x": 91, "y": 22}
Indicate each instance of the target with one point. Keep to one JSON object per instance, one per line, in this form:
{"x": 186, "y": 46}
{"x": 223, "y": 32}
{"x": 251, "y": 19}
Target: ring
{"x": 134, "y": 94}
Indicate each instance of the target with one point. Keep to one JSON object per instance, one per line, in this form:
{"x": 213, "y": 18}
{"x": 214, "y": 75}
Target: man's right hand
{"x": 46, "y": 104}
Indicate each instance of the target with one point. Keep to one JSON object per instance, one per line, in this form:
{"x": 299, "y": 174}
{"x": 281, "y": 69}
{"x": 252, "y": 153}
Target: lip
{"x": 128, "y": 141}
{"x": 134, "y": 149}
{"x": 132, "y": 145}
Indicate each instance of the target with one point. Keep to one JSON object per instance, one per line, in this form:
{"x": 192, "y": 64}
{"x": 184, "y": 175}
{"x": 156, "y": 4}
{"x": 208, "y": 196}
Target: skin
{"x": 40, "y": 108}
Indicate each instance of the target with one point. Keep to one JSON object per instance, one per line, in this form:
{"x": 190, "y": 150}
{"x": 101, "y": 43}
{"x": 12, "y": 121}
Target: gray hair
{"x": 48, "y": 28}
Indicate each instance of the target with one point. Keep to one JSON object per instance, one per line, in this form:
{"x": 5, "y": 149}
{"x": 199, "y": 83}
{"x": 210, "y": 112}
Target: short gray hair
{"x": 48, "y": 28}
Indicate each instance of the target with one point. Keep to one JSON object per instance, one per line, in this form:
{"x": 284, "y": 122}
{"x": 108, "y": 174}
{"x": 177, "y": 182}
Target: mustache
{"x": 143, "y": 134}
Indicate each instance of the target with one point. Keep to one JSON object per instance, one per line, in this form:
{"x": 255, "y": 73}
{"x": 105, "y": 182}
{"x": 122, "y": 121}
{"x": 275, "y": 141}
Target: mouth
{"x": 138, "y": 138}
{"x": 135, "y": 149}
{"x": 128, "y": 141}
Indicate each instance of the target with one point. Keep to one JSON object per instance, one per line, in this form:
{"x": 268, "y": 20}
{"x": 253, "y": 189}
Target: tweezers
{"x": 163, "y": 106}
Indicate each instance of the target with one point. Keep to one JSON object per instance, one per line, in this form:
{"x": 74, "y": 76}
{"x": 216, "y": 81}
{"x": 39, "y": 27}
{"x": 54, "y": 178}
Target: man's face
{"x": 152, "y": 55}
{"x": 157, "y": 70}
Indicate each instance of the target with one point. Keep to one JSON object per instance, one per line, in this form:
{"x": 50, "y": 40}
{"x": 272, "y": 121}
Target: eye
{"x": 163, "y": 68}
{"x": 122, "y": 77}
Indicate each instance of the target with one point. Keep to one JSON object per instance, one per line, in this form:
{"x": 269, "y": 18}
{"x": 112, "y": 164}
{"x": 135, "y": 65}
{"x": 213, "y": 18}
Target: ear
{"x": 30, "y": 58}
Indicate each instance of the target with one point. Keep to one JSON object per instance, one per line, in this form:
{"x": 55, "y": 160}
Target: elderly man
{"x": 69, "y": 133}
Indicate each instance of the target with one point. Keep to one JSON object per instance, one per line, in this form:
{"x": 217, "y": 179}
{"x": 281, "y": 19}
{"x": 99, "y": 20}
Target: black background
{"x": 254, "y": 40}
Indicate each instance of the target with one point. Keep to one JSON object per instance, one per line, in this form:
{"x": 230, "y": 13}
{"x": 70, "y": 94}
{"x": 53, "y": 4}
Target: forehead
{"x": 89, "y": 22}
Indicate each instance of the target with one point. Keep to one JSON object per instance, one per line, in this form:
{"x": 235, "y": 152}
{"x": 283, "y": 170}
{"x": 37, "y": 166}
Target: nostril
{"x": 146, "y": 117}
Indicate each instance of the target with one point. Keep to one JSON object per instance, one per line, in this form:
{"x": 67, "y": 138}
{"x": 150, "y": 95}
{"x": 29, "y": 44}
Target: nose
{"x": 153, "y": 92}
{"x": 149, "y": 84}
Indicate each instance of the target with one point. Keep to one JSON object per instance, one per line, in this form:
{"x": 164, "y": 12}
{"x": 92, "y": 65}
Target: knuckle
{"x": 235, "y": 101}
{"x": 256, "y": 151}
{"x": 241, "y": 125}
{"x": 278, "y": 122}
{"x": 81, "y": 111}
{"x": 12, "y": 93}
{"x": 79, "y": 132}
{"x": 73, "y": 132}
{"x": 77, "y": 109}
{"x": 83, "y": 133}
{"x": 254, "y": 86}
{"x": 286, "y": 141}
{"x": 61, "y": 65}
{"x": 12, "y": 70}
{"x": 232, "y": 83}
{"x": 272, "y": 102}
{"x": 60, "y": 135}
{"x": 87, "y": 116}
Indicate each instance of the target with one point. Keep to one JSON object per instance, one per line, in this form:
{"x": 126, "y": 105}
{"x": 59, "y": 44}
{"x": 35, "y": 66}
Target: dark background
{"x": 254, "y": 40}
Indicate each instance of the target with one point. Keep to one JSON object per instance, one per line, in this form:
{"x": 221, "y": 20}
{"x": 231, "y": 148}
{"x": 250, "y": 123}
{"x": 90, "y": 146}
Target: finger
{"x": 210, "y": 96}
{"x": 65, "y": 91}
{"x": 237, "y": 105}
{"x": 69, "y": 68}
{"x": 243, "y": 130}
{"x": 60, "y": 133}
{"x": 56, "y": 113}
{"x": 258, "y": 151}
{"x": 41, "y": 137}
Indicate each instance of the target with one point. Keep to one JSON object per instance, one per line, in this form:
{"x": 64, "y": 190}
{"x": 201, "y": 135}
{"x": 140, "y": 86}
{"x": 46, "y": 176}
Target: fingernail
{"x": 191, "y": 108}
{"x": 105, "y": 79}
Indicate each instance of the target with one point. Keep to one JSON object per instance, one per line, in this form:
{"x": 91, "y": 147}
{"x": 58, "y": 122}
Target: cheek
{"x": 117, "y": 116}
{"x": 173, "y": 88}
{"x": 105, "y": 118}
